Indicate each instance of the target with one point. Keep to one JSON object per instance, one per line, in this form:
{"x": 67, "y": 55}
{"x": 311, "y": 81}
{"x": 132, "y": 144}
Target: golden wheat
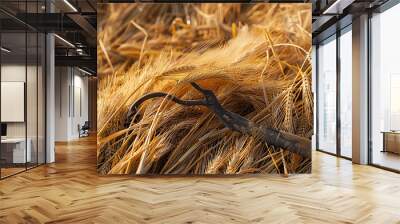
{"x": 254, "y": 57}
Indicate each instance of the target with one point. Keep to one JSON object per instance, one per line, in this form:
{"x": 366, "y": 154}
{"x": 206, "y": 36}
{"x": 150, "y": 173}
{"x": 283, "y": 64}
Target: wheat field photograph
{"x": 204, "y": 89}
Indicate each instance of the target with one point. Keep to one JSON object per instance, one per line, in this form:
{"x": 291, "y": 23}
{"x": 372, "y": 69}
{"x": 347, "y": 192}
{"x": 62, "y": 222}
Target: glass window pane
{"x": 31, "y": 97}
{"x": 385, "y": 114}
{"x": 346, "y": 94}
{"x": 14, "y": 153}
{"x": 41, "y": 98}
{"x": 327, "y": 96}
{"x": 22, "y": 85}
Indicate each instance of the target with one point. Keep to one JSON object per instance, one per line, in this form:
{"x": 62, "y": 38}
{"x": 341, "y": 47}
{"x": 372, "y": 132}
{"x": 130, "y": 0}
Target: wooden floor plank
{"x": 70, "y": 191}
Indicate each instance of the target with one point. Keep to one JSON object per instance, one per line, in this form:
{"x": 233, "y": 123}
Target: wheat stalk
{"x": 255, "y": 58}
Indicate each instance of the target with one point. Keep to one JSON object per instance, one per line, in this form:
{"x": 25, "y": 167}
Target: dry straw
{"x": 254, "y": 57}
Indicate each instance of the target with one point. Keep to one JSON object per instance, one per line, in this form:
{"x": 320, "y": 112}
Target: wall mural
{"x": 195, "y": 89}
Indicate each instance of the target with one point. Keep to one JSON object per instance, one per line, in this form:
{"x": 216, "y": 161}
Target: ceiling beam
{"x": 337, "y": 7}
{"x": 320, "y": 22}
{"x": 78, "y": 61}
{"x": 84, "y": 24}
{"x": 49, "y": 22}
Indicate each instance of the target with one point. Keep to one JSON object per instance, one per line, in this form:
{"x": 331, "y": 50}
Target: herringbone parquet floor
{"x": 70, "y": 191}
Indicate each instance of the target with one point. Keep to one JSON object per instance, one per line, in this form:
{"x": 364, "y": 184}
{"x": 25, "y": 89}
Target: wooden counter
{"x": 391, "y": 141}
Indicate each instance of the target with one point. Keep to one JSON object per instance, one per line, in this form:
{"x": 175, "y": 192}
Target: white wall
{"x": 71, "y": 94}
{"x": 13, "y": 72}
{"x": 10, "y": 73}
{"x": 16, "y": 73}
{"x": 61, "y": 103}
{"x": 34, "y": 125}
{"x": 80, "y": 110}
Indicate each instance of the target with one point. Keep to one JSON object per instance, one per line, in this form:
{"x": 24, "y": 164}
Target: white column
{"x": 50, "y": 92}
{"x": 50, "y": 99}
{"x": 360, "y": 90}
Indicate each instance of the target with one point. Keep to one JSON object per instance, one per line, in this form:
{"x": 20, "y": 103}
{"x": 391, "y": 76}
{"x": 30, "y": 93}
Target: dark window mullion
{"x": 338, "y": 74}
{"x": 316, "y": 96}
{"x": 369, "y": 91}
{"x": 0, "y": 94}
{"x": 37, "y": 90}
{"x": 26, "y": 87}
